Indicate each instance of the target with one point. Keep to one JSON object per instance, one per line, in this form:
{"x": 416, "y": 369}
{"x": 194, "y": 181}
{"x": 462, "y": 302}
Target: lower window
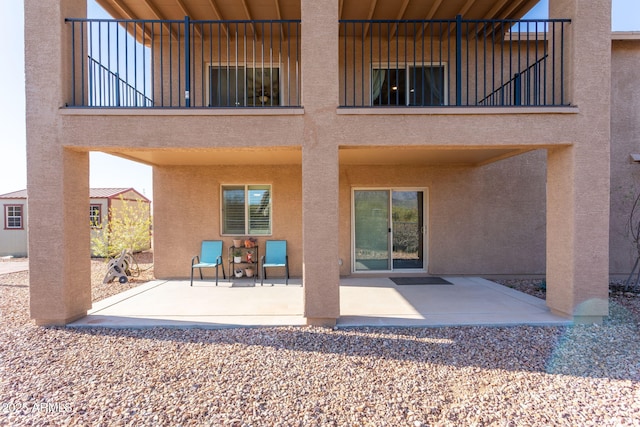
{"x": 246, "y": 209}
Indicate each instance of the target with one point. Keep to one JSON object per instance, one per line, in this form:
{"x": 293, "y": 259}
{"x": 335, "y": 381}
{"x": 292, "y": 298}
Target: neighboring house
{"x": 375, "y": 136}
{"x": 13, "y": 236}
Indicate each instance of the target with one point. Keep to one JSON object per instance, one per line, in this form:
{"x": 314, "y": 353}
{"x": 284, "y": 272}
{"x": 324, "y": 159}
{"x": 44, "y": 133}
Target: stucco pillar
{"x": 578, "y": 174}
{"x": 57, "y": 178}
{"x": 320, "y": 271}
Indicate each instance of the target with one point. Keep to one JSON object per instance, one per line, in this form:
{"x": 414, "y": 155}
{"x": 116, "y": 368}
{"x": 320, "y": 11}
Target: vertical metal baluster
{"x": 362, "y": 69}
{"x": 271, "y": 64}
{"x": 562, "y": 63}
{"x": 353, "y": 86}
{"x": 73, "y": 63}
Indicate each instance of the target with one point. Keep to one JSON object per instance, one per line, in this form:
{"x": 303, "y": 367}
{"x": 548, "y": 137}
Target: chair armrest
{"x": 262, "y": 258}
{"x": 194, "y": 259}
{"x": 219, "y": 260}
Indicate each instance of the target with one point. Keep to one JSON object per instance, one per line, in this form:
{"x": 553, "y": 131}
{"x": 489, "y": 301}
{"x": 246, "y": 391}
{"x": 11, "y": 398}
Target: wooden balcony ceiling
{"x": 290, "y": 9}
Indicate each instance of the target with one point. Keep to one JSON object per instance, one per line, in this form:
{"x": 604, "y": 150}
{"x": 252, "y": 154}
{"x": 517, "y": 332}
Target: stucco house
{"x": 13, "y": 236}
{"x": 377, "y": 137}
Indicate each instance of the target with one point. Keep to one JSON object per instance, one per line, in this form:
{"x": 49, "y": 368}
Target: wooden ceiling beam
{"x": 399, "y": 16}
{"x": 216, "y": 11}
{"x": 464, "y": 9}
{"x": 156, "y": 12}
{"x": 185, "y": 11}
{"x": 372, "y": 10}
{"x": 249, "y": 17}
{"x": 279, "y": 16}
{"x": 432, "y": 12}
{"x": 127, "y": 13}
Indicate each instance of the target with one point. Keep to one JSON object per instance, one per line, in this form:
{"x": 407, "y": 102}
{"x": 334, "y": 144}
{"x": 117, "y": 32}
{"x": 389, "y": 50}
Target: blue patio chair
{"x": 210, "y": 257}
{"x": 275, "y": 255}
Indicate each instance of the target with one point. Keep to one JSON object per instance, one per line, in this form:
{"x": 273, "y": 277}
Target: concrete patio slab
{"x": 7, "y": 267}
{"x": 364, "y": 301}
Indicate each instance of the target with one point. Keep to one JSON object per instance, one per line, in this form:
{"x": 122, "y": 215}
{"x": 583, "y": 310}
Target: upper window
{"x": 239, "y": 86}
{"x": 13, "y": 217}
{"x": 408, "y": 85}
{"x": 246, "y": 209}
{"x": 95, "y": 217}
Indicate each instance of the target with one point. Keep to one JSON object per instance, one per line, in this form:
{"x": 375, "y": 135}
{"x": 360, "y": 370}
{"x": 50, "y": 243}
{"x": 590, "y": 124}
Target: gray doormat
{"x": 420, "y": 281}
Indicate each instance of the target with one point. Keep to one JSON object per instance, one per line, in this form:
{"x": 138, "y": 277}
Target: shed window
{"x": 95, "y": 216}
{"x": 13, "y": 217}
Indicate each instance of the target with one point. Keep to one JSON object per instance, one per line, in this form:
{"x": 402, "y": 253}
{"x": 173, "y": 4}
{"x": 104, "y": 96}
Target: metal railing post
{"x": 117, "y": 79}
{"x": 517, "y": 89}
{"x": 187, "y": 63}
{"x": 459, "y": 60}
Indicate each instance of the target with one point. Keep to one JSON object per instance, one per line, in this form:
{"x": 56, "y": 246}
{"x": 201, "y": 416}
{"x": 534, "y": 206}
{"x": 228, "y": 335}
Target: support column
{"x": 578, "y": 174}
{"x": 321, "y": 274}
{"x": 57, "y": 177}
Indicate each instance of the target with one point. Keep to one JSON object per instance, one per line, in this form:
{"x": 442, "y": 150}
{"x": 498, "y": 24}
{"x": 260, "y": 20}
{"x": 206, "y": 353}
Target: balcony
{"x": 141, "y": 63}
{"x": 453, "y": 63}
{"x": 118, "y": 63}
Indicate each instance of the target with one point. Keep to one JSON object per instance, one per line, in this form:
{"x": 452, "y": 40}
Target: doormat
{"x": 420, "y": 281}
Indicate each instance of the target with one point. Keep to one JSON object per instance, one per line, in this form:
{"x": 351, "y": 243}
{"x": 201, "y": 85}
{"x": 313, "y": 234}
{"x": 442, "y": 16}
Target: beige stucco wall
{"x": 481, "y": 220}
{"x": 625, "y": 140}
{"x": 485, "y": 220}
{"x": 187, "y": 211}
{"x": 13, "y": 242}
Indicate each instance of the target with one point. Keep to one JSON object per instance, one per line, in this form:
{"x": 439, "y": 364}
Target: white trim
{"x": 246, "y": 210}
{"x": 7, "y": 207}
{"x": 406, "y": 66}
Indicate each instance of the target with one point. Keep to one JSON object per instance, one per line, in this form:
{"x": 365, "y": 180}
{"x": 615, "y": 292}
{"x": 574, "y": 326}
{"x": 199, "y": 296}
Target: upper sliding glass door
{"x": 388, "y": 230}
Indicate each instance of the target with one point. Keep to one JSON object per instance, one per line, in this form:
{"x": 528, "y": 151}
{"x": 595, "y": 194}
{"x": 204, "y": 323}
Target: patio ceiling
{"x": 290, "y": 9}
{"x": 416, "y": 156}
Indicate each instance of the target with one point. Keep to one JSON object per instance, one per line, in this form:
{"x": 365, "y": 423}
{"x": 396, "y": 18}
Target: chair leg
{"x": 216, "y": 275}
{"x": 201, "y": 278}
{"x": 191, "y": 276}
{"x": 286, "y": 266}
{"x": 262, "y": 274}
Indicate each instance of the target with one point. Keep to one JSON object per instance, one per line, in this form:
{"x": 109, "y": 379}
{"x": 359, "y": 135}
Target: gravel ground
{"x": 515, "y": 376}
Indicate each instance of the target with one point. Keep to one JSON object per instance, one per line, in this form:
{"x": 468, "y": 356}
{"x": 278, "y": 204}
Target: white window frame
{"x": 406, "y": 66}
{"x": 247, "y": 230}
{"x": 13, "y": 216}
{"x": 425, "y": 229}
{"x": 98, "y": 223}
{"x": 245, "y": 65}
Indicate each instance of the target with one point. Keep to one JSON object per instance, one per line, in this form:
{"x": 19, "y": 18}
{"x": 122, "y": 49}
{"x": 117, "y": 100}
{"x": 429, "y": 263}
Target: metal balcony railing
{"x": 108, "y": 89}
{"x": 455, "y": 62}
{"x": 184, "y": 63}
